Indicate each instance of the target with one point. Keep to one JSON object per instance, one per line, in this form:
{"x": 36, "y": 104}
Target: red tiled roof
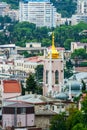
{"x": 11, "y": 86}
{"x": 34, "y": 59}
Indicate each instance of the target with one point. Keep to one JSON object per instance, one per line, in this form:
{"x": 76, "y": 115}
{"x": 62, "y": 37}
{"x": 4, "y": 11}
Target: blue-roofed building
{"x": 80, "y": 76}
{"x": 40, "y": 12}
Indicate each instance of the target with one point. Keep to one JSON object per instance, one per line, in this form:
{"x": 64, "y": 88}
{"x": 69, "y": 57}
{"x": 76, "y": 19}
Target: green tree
{"x": 68, "y": 70}
{"x": 25, "y": 53}
{"x": 84, "y": 109}
{"x": 69, "y": 64}
{"x": 79, "y": 126}
{"x": 75, "y": 117}
{"x": 23, "y": 89}
{"x": 20, "y": 33}
{"x": 39, "y": 73}
{"x": 67, "y": 10}
{"x": 84, "y": 86}
{"x": 7, "y": 19}
{"x": 67, "y": 44}
{"x": 84, "y": 40}
{"x": 79, "y": 53}
{"x": 68, "y": 73}
{"x": 58, "y": 122}
{"x": 14, "y": 3}
{"x": 31, "y": 85}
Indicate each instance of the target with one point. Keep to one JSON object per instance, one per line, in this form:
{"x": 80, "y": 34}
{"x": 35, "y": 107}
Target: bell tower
{"x": 53, "y": 74}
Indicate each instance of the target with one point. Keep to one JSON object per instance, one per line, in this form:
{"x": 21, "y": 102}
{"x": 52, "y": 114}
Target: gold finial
{"x": 55, "y": 53}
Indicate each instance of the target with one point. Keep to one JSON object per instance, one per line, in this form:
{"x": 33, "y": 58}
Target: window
{"x": 46, "y": 76}
{"x": 47, "y": 19}
{"x": 23, "y": 110}
{"x": 47, "y": 11}
{"x": 56, "y": 77}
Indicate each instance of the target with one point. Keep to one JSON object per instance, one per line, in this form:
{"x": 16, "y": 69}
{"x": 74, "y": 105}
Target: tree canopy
{"x": 79, "y": 53}
{"x": 58, "y": 122}
{"x": 76, "y": 120}
{"x": 20, "y": 33}
{"x": 31, "y": 84}
{"x": 65, "y": 7}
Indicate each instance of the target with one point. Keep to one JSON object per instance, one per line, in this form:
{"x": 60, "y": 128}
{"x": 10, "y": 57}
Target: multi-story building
{"x": 41, "y": 12}
{"x": 28, "y": 64}
{"x": 78, "y": 18}
{"x": 82, "y": 6}
{"x": 25, "y": 65}
{"x": 81, "y": 14}
{"x": 18, "y": 115}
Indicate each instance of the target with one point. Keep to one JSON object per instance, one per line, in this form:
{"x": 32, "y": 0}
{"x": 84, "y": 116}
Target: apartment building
{"x": 78, "y": 18}
{"x": 41, "y": 12}
{"x": 28, "y": 64}
{"x": 82, "y": 6}
{"x": 81, "y": 14}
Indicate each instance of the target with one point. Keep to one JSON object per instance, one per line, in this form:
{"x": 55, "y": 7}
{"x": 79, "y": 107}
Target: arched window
{"x": 46, "y": 76}
{"x": 56, "y": 77}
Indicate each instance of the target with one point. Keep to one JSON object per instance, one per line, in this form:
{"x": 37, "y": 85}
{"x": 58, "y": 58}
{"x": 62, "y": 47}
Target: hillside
{"x": 65, "y": 7}
{"x": 14, "y": 3}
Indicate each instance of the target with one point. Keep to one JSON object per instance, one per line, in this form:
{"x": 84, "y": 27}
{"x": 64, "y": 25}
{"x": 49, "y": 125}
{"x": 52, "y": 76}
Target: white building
{"x": 82, "y": 7}
{"x": 41, "y": 12}
{"x": 28, "y": 64}
{"x": 78, "y": 18}
{"x": 58, "y": 19}
{"x": 81, "y": 14}
{"x": 33, "y": 44}
{"x": 78, "y": 45}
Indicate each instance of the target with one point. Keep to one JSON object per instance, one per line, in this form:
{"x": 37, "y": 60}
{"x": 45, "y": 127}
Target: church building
{"x": 53, "y": 74}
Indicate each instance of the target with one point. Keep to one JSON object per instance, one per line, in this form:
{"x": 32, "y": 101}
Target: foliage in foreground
{"x": 77, "y": 120}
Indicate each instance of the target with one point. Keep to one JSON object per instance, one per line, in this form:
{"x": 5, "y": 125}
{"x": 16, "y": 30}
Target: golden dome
{"x": 55, "y": 53}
